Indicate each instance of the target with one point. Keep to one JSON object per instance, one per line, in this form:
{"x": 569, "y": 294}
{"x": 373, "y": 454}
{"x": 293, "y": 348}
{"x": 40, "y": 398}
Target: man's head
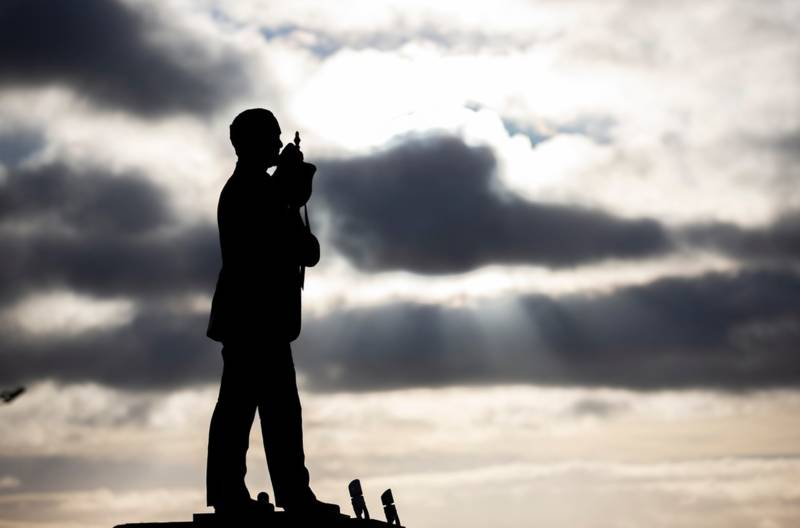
{"x": 255, "y": 135}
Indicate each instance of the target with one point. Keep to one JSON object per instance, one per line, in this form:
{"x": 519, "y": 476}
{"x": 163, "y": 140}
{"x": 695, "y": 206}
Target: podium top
{"x": 277, "y": 519}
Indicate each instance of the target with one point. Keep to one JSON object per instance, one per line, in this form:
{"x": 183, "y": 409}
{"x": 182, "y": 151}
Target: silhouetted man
{"x": 255, "y": 314}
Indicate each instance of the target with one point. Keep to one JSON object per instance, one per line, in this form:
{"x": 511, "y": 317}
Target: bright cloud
{"x": 65, "y": 313}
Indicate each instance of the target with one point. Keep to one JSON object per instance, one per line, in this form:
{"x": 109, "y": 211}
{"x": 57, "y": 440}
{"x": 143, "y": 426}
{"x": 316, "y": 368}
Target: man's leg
{"x": 282, "y": 428}
{"x": 229, "y": 433}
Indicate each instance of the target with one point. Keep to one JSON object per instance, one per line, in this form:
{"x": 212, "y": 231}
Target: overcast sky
{"x": 560, "y": 255}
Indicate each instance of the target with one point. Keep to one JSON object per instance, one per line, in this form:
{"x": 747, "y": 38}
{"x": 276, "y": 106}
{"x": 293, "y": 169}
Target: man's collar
{"x": 244, "y": 167}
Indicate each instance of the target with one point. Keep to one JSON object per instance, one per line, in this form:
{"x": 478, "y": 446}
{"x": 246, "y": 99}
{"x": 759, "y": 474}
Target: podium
{"x": 278, "y": 519}
{"x": 269, "y": 518}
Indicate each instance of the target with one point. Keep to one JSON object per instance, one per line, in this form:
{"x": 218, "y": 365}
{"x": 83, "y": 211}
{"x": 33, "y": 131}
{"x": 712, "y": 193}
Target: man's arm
{"x": 291, "y": 184}
{"x": 305, "y": 246}
{"x": 293, "y": 176}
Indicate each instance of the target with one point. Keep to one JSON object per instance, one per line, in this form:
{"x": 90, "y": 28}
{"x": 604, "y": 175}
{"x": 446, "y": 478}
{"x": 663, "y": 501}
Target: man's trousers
{"x": 257, "y": 376}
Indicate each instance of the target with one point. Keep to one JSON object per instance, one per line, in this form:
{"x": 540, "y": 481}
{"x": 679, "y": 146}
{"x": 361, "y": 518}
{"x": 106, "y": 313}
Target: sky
{"x": 560, "y": 275}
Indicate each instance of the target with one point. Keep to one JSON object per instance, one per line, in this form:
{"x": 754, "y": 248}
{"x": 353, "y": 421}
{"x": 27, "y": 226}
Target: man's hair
{"x": 248, "y": 129}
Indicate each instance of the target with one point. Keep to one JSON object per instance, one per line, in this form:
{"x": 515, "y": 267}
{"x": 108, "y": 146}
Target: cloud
{"x": 160, "y": 348}
{"x": 432, "y": 205}
{"x": 420, "y": 443}
{"x": 104, "y": 50}
{"x": 9, "y": 481}
{"x": 670, "y": 150}
{"x": 17, "y": 145}
{"x": 597, "y": 127}
{"x": 184, "y": 261}
{"x": 62, "y": 313}
{"x": 778, "y": 242}
{"x": 98, "y": 233}
{"x": 323, "y": 42}
{"x": 113, "y": 235}
{"x": 721, "y": 331}
{"x": 726, "y": 331}
{"x": 597, "y": 407}
{"x": 74, "y": 507}
{"x": 64, "y": 472}
{"x": 88, "y": 201}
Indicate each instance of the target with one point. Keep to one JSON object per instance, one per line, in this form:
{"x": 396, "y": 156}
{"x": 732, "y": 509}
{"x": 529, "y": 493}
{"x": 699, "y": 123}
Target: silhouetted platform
{"x": 277, "y": 519}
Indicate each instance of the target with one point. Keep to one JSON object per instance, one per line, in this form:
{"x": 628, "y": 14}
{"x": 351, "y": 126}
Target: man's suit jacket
{"x": 264, "y": 243}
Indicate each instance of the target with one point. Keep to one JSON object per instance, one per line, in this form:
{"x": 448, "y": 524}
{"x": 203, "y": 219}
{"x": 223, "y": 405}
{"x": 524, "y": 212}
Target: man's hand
{"x": 291, "y": 156}
{"x": 292, "y": 179}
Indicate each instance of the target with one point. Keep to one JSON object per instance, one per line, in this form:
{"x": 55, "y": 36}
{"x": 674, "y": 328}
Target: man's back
{"x": 258, "y": 290}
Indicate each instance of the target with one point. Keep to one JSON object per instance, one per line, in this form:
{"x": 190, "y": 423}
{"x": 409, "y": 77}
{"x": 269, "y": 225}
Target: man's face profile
{"x": 256, "y": 137}
{"x": 272, "y": 146}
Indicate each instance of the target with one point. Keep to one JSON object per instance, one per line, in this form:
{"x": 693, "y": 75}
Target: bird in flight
{"x": 9, "y": 395}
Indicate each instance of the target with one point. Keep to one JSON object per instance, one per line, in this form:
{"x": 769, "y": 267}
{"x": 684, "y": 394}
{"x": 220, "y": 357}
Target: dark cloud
{"x": 17, "y": 146}
{"x": 432, "y": 205}
{"x": 721, "y": 331}
{"x": 89, "y": 201}
{"x": 110, "y": 235}
{"x": 153, "y": 264}
{"x": 105, "y": 235}
{"x": 789, "y": 144}
{"x": 777, "y": 243}
{"x": 159, "y": 349}
{"x": 731, "y": 332}
{"x": 102, "y": 50}
{"x": 98, "y": 233}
